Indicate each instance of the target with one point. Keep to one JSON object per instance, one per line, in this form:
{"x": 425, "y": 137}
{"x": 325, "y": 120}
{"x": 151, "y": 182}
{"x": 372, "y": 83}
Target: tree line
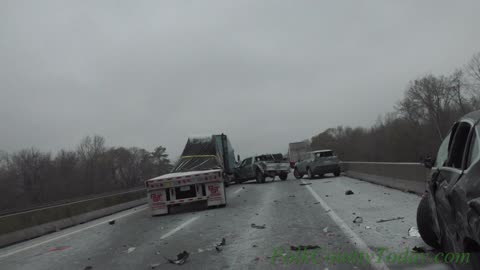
{"x": 30, "y": 177}
{"x": 418, "y": 123}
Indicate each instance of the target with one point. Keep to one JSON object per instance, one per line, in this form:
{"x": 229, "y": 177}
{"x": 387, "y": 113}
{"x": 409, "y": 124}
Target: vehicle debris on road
{"x": 390, "y": 219}
{"x": 325, "y": 230}
{"x": 258, "y": 226}
{"x": 358, "y": 220}
{"x": 154, "y": 265}
{"x": 181, "y": 258}
{"x": 218, "y": 247}
{"x": 131, "y": 249}
{"x": 419, "y": 249}
{"x": 111, "y": 222}
{"x": 295, "y": 248}
{"x": 305, "y": 184}
{"x": 413, "y": 232}
{"x": 349, "y": 192}
{"x": 89, "y": 267}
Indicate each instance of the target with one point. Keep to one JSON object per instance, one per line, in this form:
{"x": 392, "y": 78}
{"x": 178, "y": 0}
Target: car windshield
{"x": 243, "y": 134}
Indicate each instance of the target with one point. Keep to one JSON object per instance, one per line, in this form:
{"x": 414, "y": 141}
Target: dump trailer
{"x": 200, "y": 175}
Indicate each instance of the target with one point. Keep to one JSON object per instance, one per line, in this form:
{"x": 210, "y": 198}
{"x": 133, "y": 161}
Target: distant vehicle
{"x": 261, "y": 167}
{"x": 207, "y": 164}
{"x": 448, "y": 216}
{"x": 317, "y": 163}
{"x": 296, "y": 150}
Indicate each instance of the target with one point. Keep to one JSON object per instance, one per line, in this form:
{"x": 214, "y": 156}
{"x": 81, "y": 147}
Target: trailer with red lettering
{"x": 200, "y": 175}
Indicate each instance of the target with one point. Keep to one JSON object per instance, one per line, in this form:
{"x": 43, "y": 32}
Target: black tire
{"x": 297, "y": 174}
{"x": 260, "y": 177}
{"x": 424, "y": 224}
{"x": 336, "y": 173}
{"x": 283, "y": 176}
{"x": 310, "y": 173}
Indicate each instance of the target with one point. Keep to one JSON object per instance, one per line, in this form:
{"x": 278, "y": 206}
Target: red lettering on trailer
{"x": 156, "y": 197}
{"x": 213, "y": 190}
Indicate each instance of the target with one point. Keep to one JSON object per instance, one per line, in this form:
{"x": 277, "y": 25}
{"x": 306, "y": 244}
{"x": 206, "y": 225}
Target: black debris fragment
{"x": 358, "y": 220}
{"x": 218, "y": 247}
{"x": 349, "y": 192}
{"x": 181, "y": 258}
{"x": 89, "y": 267}
{"x": 305, "y": 184}
{"x": 154, "y": 265}
{"x": 261, "y": 227}
{"x": 111, "y": 222}
{"x": 292, "y": 196}
{"x": 390, "y": 219}
{"x": 419, "y": 249}
{"x": 326, "y": 195}
{"x": 304, "y": 247}
{"x": 316, "y": 202}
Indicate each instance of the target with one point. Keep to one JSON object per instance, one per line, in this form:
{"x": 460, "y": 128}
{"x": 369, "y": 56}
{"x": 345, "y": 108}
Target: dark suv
{"x": 448, "y": 216}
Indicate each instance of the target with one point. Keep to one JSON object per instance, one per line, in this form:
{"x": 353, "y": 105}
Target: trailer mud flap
{"x": 157, "y": 201}
{"x": 215, "y": 193}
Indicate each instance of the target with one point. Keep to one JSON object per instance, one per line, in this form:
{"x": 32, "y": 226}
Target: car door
{"x": 316, "y": 162}
{"x": 248, "y": 168}
{"x": 241, "y": 169}
{"x": 445, "y": 179}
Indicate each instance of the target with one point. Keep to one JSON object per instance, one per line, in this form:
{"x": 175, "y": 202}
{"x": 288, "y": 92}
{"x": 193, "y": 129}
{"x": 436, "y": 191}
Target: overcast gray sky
{"x": 266, "y": 73}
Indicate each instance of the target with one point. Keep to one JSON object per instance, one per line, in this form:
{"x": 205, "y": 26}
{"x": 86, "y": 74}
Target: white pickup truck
{"x": 261, "y": 167}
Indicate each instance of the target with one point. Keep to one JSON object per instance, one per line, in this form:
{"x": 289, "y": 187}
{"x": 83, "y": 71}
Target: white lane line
{"x": 181, "y": 226}
{"x": 131, "y": 212}
{"x": 237, "y": 191}
{"x": 375, "y": 262}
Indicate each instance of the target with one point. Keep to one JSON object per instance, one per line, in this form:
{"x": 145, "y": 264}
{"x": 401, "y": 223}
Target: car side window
{"x": 458, "y": 146}
{"x": 473, "y": 151}
{"x": 442, "y": 155}
{"x": 248, "y": 161}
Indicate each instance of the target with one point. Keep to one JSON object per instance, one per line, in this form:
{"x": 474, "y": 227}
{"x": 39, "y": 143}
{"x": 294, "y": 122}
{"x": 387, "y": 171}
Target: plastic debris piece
{"x": 258, "y": 226}
{"x": 419, "y": 249}
{"x": 131, "y": 249}
{"x": 358, "y": 220}
{"x": 304, "y": 247}
{"x": 325, "y": 230}
{"x": 89, "y": 267}
{"x": 154, "y": 265}
{"x": 181, "y": 258}
{"x": 305, "y": 184}
{"x": 111, "y": 222}
{"x": 413, "y": 232}
{"x": 349, "y": 192}
{"x": 316, "y": 203}
{"x": 368, "y": 227}
{"x": 390, "y": 219}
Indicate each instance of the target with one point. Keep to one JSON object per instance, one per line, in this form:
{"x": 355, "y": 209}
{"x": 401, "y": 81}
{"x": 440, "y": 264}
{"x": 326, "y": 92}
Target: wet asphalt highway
{"x": 317, "y": 214}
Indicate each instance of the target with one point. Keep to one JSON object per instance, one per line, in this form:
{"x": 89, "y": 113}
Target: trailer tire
{"x": 336, "y": 173}
{"x": 283, "y": 176}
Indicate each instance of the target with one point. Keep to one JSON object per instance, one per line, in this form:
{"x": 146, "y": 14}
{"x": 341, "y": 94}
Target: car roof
{"x": 473, "y": 116}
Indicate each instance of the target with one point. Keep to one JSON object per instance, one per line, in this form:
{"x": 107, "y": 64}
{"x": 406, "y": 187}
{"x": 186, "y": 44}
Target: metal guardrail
{"x": 7, "y": 212}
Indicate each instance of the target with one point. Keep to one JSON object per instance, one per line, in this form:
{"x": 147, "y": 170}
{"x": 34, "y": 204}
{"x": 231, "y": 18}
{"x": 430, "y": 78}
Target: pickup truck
{"x": 317, "y": 163}
{"x": 262, "y": 166}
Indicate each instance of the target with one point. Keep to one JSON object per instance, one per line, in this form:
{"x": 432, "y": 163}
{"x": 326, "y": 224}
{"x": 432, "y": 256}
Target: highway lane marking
{"x": 108, "y": 219}
{"x": 375, "y": 262}
{"x": 178, "y": 228}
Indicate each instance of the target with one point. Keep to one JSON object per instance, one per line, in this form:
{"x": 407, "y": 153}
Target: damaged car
{"x": 262, "y": 166}
{"x": 448, "y": 216}
{"x": 317, "y": 163}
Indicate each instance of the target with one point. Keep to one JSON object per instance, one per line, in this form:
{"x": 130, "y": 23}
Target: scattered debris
{"x": 325, "y": 230}
{"x": 304, "y": 247}
{"x": 258, "y": 226}
{"x": 330, "y": 234}
{"x": 254, "y": 246}
{"x": 369, "y": 200}
{"x": 305, "y": 184}
{"x": 131, "y": 249}
{"x": 292, "y": 196}
{"x": 328, "y": 210}
{"x": 390, "y": 219}
{"x": 256, "y": 214}
{"x": 386, "y": 193}
{"x": 349, "y": 192}
{"x": 243, "y": 187}
{"x": 58, "y": 248}
{"x": 275, "y": 201}
{"x": 200, "y": 250}
{"x": 368, "y": 227}
{"x": 89, "y": 267}
{"x": 413, "y": 232}
{"x": 354, "y": 213}
{"x": 358, "y": 220}
{"x": 419, "y": 249}
{"x": 181, "y": 258}
{"x": 111, "y": 222}
{"x": 317, "y": 203}
{"x": 326, "y": 195}
{"x": 218, "y": 247}
{"x": 154, "y": 265}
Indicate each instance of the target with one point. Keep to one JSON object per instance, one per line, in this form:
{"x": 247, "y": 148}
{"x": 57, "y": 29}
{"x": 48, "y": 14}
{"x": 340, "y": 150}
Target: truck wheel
{"x": 297, "y": 174}
{"x": 310, "y": 174}
{"x": 336, "y": 173}
{"x": 424, "y": 224}
{"x": 260, "y": 177}
{"x": 283, "y": 176}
